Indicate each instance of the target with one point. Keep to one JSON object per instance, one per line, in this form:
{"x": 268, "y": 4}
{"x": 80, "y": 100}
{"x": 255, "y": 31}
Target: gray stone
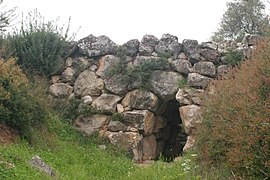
{"x": 69, "y": 62}
{"x": 37, "y": 162}
{"x": 198, "y": 81}
{"x": 88, "y": 84}
{"x": 91, "y": 124}
{"x": 147, "y": 45}
{"x": 92, "y": 46}
{"x": 187, "y": 96}
{"x": 223, "y": 69}
{"x": 211, "y": 55}
{"x": 80, "y": 64}
{"x": 205, "y": 68}
{"x": 116, "y": 85}
{"x": 140, "y": 119}
{"x": 131, "y": 47}
{"x": 120, "y": 108}
{"x": 190, "y": 143}
{"x": 140, "y": 99}
{"x": 106, "y": 64}
{"x": 191, "y": 48}
{"x": 106, "y": 102}
{"x": 190, "y": 116}
{"x": 182, "y": 56}
{"x": 55, "y": 79}
{"x": 60, "y": 90}
{"x": 209, "y": 45}
{"x": 251, "y": 39}
{"x": 127, "y": 140}
{"x": 149, "y": 147}
{"x": 87, "y": 100}
{"x": 168, "y": 44}
{"x": 182, "y": 66}
{"x": 68, "y": 75}
{"x": 165, "y": 84}
{"x": 115, "y": 126}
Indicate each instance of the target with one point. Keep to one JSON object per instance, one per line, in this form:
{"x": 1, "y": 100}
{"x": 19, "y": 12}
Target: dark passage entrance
{"x": 176, "y": 138}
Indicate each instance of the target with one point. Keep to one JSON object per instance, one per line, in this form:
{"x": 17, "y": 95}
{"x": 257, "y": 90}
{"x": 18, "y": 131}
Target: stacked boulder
{"x": 130, "y": 117}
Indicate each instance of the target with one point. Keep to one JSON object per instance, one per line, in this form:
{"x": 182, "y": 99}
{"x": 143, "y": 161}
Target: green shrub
{"x": 39, "y": 45}
{"x": 18, "y": 108}
{"x": 235, "y": 128}
{"x": 139, "y": 75}
{"x": 234, "y": 57}
{"x": 117, "y": 117}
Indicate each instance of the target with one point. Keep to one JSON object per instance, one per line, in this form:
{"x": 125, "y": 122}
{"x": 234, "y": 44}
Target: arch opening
{"x": 175, "y": 138}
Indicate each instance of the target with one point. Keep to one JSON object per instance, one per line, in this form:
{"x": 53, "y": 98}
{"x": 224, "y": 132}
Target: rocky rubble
{"x": 160, "y": 120}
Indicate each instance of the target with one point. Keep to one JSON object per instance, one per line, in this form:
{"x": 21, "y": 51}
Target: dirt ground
{"x": 7, "y": 135}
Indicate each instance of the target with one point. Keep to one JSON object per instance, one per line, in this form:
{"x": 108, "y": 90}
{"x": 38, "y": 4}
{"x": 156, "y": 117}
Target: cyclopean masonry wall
{"x": 153, "y": 122}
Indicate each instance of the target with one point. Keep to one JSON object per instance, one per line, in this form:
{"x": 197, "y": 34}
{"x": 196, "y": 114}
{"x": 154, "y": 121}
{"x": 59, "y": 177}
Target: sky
{"x": 123, "y": 20}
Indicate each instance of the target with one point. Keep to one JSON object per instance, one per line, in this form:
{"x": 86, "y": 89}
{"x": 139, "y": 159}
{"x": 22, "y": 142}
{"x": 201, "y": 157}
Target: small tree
{"x": 241, "y": 17}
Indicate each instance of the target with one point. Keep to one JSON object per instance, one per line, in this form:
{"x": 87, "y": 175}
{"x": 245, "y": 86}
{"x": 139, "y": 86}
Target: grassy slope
{"x": 73, "y": 156}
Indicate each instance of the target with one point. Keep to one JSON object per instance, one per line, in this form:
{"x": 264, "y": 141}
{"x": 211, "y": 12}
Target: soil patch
{"x": 8, "y": 135}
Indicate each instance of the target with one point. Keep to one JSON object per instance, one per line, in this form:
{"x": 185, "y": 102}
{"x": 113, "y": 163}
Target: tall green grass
{"x": 73, "y": 156}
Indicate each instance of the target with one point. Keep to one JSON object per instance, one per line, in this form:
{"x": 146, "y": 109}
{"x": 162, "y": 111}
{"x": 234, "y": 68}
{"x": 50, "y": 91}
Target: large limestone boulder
{"x": 182, "y": 66}
{"x": 188, "y": 96}
{"x": 209, "y": 45}
{"x": 127, "y": 140}
{"x": 147, "y": 46}
{"x": 92, "y": 46}
{"x": 149, "y": 147}
{"x": 116, "y": 85}
{"x": 88, "y": 84}
{"x": 198, "y": 81}
{"x": 60, "y": 90}
{"x": 106, "y": 102}
{"x": 131, "y": 47}
{"x": 106, "y": 64}
{"x": 165, "y": 84}
{"x": 210, "y": 55}
{"x": 205, "y": 68}
{"x": 91, "y": 124}
{"x": 116, "y": 126}
{"x": 68, "y": 75}
{"x": 190, "y": 116}
{"x": 140, "y": 99}
{"x": 143, "y": 120}
{"x": 168, "y": 44}
{"x": 191, "y": 48}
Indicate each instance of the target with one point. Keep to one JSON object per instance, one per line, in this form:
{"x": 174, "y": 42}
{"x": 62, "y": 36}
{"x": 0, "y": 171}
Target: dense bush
{"x": 236, "y": 119}
{"x": 18, "y": 108}
{"x": 234, "y": 57}
{"x": 39, "y": 45}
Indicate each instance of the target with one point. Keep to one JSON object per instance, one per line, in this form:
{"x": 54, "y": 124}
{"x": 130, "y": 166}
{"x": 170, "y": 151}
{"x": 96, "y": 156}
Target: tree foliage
{"x": 241, "y": 17}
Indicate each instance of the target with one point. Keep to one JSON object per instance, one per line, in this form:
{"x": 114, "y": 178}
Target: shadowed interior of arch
{"x": 175, "y": 138}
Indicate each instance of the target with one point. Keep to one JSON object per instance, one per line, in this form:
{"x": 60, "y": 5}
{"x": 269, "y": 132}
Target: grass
{"x": 73, "y": 156}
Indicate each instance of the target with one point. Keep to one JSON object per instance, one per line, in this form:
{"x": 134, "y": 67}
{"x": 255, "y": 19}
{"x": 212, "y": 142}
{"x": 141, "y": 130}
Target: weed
{"x": 39, "y": 45}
